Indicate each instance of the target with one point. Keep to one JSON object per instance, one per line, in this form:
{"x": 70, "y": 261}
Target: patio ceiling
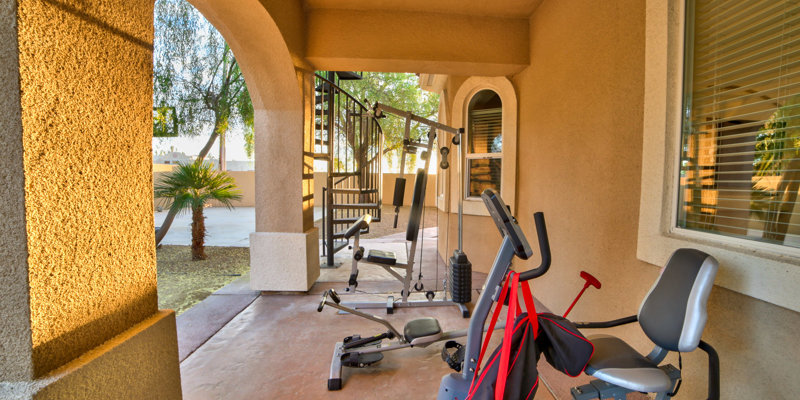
{"x": 509, "y": 9}
{"x": 451, "y": 37}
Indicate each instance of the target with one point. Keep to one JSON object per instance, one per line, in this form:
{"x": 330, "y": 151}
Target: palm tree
{"x": 189, "y": 187}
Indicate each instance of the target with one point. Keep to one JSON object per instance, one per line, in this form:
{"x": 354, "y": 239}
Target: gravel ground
{"x": 182, "y": 282}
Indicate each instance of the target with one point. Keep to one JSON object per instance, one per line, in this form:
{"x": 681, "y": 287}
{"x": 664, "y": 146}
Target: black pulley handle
{"x": 444, "y": 151}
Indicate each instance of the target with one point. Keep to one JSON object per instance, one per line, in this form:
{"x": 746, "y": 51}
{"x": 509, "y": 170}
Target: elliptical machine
{"x": 456, "y": 385}
{"x": 359, "y": 352}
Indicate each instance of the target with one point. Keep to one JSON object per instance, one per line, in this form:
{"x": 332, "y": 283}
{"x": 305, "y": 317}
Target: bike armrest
{"x": 607, "y": 324}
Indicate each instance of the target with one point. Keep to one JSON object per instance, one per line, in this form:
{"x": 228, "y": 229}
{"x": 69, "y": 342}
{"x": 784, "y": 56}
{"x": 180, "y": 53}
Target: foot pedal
{"x": 360, "y": 360}
{"x": 453, "y": 354}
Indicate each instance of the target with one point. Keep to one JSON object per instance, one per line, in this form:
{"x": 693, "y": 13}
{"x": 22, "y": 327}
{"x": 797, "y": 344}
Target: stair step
{"x": 319, "y": 99}
{"x": 318, "y": 126}
{"x": 321, "y": 142}
{"x": 320, "y": 156}
{"x": 354, "y": 191}
{"x": 325, "y": 87}
{"x": 343, "y": 174}
{"x": 355, "y": 206}
{"x": 349, "y": 75}
{"x": 338, "y": 246}
{"x": 350, "y": 221}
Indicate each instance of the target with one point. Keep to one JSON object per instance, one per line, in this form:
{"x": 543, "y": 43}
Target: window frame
{"x": 508, "y": 97}
{"x": 765, "y": 271}
{"x": 479, "y": 156}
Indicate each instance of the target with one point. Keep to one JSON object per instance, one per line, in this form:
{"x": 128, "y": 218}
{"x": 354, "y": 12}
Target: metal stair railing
{"x": 350, "y": 139}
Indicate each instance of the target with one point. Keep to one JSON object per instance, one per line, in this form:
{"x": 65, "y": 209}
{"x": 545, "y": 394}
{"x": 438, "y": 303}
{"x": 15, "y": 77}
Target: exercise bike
{"x": 360, "y": 352}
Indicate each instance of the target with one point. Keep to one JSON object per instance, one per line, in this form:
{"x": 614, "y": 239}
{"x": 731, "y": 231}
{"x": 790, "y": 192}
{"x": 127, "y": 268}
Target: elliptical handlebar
{"x": 544, "y": 249}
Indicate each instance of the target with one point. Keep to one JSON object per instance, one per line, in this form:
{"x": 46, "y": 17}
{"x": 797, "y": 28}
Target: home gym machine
{"x": 359, "y": 352}
{"x": 459, "y": 273}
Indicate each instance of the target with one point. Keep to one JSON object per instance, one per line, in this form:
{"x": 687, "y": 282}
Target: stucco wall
{"x": 15, "y": 346}
{"x": 89, "y": 216}
{"x": 579, "y": 152}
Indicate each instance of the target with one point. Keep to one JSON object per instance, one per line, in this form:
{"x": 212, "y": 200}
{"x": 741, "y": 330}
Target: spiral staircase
{"x": 349, "y": 139}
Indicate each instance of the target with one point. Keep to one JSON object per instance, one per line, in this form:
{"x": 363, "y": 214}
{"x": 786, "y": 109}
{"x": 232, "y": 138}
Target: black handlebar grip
{"x": 544, "y": 249}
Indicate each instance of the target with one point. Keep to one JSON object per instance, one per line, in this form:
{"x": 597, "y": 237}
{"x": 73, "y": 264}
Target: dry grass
{"x": 182, "y": 282}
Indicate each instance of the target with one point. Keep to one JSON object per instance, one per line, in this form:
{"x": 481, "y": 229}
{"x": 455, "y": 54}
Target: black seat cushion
{"x": 421, "y": 327}
{"x": 614, "y": 361}
{"x": 381, "y": 257}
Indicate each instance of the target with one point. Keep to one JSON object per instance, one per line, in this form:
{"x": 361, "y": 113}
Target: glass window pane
{"x": 740, "y": 150}
{"x": 485, "y": 123}
{"x": 483, "y": 173}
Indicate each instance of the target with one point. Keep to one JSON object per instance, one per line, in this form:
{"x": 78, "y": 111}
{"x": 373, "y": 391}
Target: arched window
{"x": 487, "y": 109}
{"x": 484, "y": 157}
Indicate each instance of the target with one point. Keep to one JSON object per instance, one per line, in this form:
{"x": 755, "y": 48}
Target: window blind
{"x": 740, "y": 142}
{"x": 485, "y": 134}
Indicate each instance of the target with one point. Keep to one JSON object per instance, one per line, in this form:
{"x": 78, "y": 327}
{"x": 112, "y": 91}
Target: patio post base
{"x": 140, "y": 363}
{"x": 284, "y": 261}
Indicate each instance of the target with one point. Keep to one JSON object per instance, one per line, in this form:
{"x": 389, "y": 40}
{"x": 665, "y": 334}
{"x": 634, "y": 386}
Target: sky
{"x": 191, "y": 146}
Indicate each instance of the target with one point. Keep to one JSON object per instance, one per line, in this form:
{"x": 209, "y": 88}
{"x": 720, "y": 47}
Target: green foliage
{"x": 193, "y": 185}
{"x": 399, "y": 90}
{"x": 196, "y": 73}
{"x": 165, "y": 122}
{"x": 777, "y": 146}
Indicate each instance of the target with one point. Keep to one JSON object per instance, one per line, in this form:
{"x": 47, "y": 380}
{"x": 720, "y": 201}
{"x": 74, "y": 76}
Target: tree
{"x": 196, "y": 74}
{"x": 399, "y": 90}
{"x": 190, "y": 187}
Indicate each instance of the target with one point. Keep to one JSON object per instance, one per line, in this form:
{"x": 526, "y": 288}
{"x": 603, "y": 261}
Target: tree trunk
{"x": 198, "y": 234}
{"x": 222, "y": 163}
{"x": 162, "y": 230}
{"x": 207, "y": 147}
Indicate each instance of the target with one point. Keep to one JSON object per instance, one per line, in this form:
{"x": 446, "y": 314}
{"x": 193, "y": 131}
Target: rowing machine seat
{"x": 422, "y": 328}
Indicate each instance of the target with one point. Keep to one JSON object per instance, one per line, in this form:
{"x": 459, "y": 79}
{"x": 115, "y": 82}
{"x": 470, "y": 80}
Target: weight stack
{"x": 460, "y": 276}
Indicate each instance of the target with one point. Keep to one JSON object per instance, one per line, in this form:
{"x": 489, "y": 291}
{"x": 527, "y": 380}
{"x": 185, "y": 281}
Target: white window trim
{"x": 508, "y": 176}
{"x": 765, "y": 271}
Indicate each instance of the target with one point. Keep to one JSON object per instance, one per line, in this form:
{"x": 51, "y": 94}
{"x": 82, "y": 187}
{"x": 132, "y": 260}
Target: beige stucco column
{"x": 77, "y": 261}
{"x": 284, "y": 250}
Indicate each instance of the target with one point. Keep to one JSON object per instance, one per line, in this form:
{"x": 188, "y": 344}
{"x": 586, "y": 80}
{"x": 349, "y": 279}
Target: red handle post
{"x": 590, "y": 281}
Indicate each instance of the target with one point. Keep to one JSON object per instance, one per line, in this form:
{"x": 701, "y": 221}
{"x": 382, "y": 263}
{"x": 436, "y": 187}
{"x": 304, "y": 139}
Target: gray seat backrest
{"x": 673, "y": 314}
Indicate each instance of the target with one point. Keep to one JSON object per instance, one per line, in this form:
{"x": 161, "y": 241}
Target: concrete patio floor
{"x": 238, "y": 344}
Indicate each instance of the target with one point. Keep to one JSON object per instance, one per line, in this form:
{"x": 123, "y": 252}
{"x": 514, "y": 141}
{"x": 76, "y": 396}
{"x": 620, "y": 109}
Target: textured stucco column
{"x": 77, "y": 261}
{"x": 284, "y": 250}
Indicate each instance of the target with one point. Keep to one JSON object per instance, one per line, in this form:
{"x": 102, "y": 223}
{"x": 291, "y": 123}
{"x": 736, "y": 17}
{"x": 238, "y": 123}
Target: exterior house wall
{"x": 580, "y": 161}
{"x": 580, "y": 140}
